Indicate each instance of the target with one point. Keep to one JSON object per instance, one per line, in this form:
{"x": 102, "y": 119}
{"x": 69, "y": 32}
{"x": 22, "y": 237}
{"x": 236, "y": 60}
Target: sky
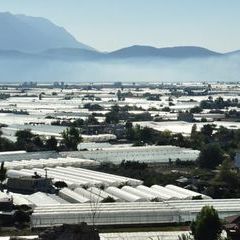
{"x": 108, "y": 25}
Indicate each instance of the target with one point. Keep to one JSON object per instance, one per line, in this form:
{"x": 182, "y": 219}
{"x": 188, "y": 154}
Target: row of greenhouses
{"x": 77, "y": 177}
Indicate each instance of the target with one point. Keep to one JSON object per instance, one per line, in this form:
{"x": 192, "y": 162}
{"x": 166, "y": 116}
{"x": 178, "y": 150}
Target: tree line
{"x": 30, "y": 142}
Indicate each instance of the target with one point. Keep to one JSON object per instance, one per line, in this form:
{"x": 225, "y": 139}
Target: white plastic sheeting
{"x": 22, "y": 237}
{"x": 129, "y": 197}
{"x": 186, "y": 192}
{"x": 93, "y": 145}
{"x": 97, "y": 195}
{"x": 98, "y": 138}
{"x": 131, "y": 212}
{"x": 19, "y": 199}
{"x": 40, "y": 198}
{"x": 50, "y": 162}
{"x": 147, "y": 196}
{"x": 128, "y": 236}
{"x": 72, "y": 196}
{"x": 58, "y": 199}
{"x": 170, "y": 192}
{"x": 78, "y": 177}
{"x": 158, "y": 195}
{"x": 23, "y": 155}
{"x": 147, "y": 154}
{"x": 103, "y": 194}
{"x": 17, "y": 174}
{"x": 5, "y": 197}
{"x": 89, "y": 195}
{"x": 173, "y": 235}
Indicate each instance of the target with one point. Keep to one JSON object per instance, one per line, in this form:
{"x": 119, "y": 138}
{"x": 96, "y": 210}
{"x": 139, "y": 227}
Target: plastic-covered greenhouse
{"x": 77, "y": 177}
{"x": 147, "y": 154}
{"x": 145, "y": 213}
{"x": 129, "y": 197}
{"x": 72, "y": 196}
{"x": 50, "y": 162}
{"x": 186, "y": 192}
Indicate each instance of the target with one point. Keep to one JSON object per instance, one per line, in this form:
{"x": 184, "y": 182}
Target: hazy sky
{"x": 112, "y": 24}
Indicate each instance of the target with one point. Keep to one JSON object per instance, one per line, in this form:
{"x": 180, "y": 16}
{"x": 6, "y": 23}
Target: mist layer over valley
{"x": 130, "y": 70}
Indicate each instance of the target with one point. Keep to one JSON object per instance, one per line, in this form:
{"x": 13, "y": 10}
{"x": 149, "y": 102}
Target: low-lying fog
{"x": 225, "y": 68}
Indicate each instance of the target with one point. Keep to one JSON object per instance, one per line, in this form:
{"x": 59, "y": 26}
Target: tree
{"x": 6, "y": 144}
{"x": 21, "y": 218}
{"x": 37, "y": 141}
{"x": 24, "y": 137}
{"x": 146, "y": 135}
{"x": 78, "y": 123}
{"x": 93, "y": 107}
{"x": 60, "y": 184}
{"x": 128, "y": 125}
{"x": 196, "y": 109}
{"x": 71, "y": 138}
{"x": 51, "y": 143}
{"x": 207, "y": 226}
{"x": 130, "y": 133}
{"x": 3, "y": 172}
{"x": 166, "y": 109}
{"x": 113, "y": 115}
{"x": 228, "y": 177}
{"x": 119, "y": 95}
{"x": 207, "y": 129}
{"x": 211, "y": 156}
{"x": 28, "y": 141}
{"x": 91, "y": 120}
{"x": 194, "y": 130}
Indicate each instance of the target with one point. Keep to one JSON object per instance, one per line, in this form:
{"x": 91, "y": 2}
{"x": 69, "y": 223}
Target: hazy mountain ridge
{"x": 168, "y": 52}
{"x": 40, "y": 36}
{"x": 139, "y": 52}
{"x": 33, "y": 34}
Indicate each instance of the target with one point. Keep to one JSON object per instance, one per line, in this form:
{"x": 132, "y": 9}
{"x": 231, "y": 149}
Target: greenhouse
{"x": 170, "y": 192}
{"x": 77, "y": 177}
{"x": 72, "y": 197}
{"x": 145, "y": 213}
{"x": 186, "y": 192}
{"x": 40, "y": 198}
{"x": 101, "y": 193}
{"x": 171, "y": 235}
{"x": 89, "y": 195}
{"x": 50, "y": 162}
{"x": 159, "y": 195}
{"x": 147, "y": 196}
{"x": 147, "y": 154}
{"x": 129, "y": 197}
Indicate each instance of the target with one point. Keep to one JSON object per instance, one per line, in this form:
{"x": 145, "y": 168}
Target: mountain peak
{"x": 33, "y": 34}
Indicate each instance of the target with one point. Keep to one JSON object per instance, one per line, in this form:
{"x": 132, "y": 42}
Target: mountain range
{"x": 32, "y": 43}
{"x": 38, "y": 37}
